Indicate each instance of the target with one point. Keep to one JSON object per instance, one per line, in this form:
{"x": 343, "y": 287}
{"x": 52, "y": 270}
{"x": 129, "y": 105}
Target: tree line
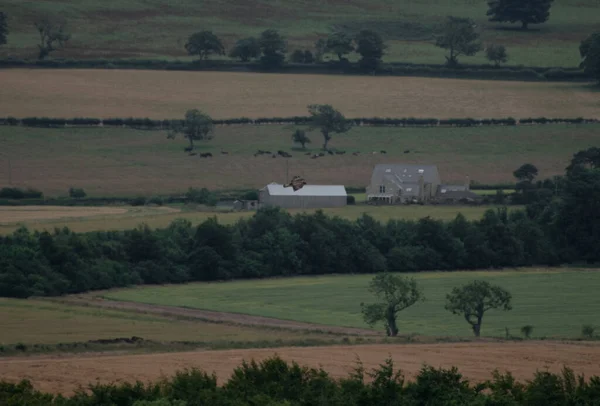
{"x": 560, "y": 229}
{"x": 275, "y": 382}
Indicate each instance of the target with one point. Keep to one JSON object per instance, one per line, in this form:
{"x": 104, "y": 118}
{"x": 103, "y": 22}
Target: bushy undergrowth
{"x": 275, "y": 382}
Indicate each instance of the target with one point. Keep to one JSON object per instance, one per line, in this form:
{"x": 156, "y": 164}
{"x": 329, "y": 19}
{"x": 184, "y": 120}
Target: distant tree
{"x": 474, "y": 299}
{"x": 524, "y": 11}
{"x": 204, "y": 44}
{"x": 587, "y": 158}
{"x": 196, "y": 126}
{"x": 590, "y": 54}
{"x": 273, "y": 47}
{"x": 526, "y": 173}
{"x": 328, "y": 120}
{"x": 77, "y": 193}
{"x": 297, "y": 56}
{"x": 3, "y": 28}
{"x": 308, "y": 56}
{"x": 371, "y": 47}
{"x": 53, "y": 36}
{"x": 339, "y": 43}
{"x": 496, "y": 54}
{"x": 320, "y": 49}
{"x": 246, "y": 49}
{"x": 458, "y": 35}
{"x": 527, "y": 330}
{"x": 300, "y": 137}
{"x": 394, "y": 294}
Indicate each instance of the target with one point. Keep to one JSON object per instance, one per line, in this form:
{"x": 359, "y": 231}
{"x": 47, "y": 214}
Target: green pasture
{"x": 105, "y": 29}
{"x": 557, "y": 302}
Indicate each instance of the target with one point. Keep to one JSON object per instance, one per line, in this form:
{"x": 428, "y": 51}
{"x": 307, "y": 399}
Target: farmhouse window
{"x": 382, "y": 189}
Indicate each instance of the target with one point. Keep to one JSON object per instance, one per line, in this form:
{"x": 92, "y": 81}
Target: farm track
{"x": 475, "y": 360}
{"x": 213, "y": 316}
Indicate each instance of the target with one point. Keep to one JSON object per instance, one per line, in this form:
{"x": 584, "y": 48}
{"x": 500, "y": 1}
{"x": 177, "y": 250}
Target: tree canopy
{"x": 459, "y": 36}
{"x": 246, "y": 49}
{"x": 273, "y": 47}
{"x": 3, "y": 28}
{"x": 590, "y": 54}
{"x": 371, "y": 47}
{"x": 53, "y": 35}
{"x": 496, "y": 53}
{"x": 474, "y": 299}
{"x": 395, "y": 293}
{"x": 196, "y": 126}
{"x": 339, "y": 43}
{"x": 526, "y": 172}
{"x": 204, "y": 44}
{"x": 524, "y": 11}
{"x": 300, "y": 137}
{"x": 328, "y": 120}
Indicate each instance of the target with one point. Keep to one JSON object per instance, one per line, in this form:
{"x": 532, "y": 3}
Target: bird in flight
{"x": 296, "y": 183}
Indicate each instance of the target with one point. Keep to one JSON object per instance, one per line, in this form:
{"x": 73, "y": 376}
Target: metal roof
{"x": 276, "y": 189}
{"x": 405, "y": 173}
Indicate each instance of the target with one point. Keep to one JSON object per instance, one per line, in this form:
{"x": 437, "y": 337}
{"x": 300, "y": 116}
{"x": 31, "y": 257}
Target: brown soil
{"x": 476, "y": 361}
{"x": 212, "y": 316}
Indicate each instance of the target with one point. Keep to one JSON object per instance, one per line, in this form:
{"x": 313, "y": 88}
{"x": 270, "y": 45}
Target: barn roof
{"x": 405, "y": 173}
{"x": 307, "y": 190}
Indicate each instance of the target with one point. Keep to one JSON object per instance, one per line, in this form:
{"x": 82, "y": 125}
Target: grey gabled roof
{"x": 275, "y": 189}
{"x": 405, "y": 173}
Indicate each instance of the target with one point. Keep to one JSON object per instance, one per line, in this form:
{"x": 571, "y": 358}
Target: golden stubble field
{"x": 168, "y": 94}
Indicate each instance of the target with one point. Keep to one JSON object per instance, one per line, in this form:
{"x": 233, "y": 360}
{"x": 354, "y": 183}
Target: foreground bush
{"x": 277, "y": 382}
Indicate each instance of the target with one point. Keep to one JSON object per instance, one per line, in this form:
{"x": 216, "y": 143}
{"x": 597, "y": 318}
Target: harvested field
{"x": 475, "y": 361}
{"x": 26, "y": 214}
{"x": 163, "y": 94}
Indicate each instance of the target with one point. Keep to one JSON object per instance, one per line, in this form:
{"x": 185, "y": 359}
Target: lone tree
{"x": 339, "y": 43}
{"x": 245, "y": 49}
{"x": 53, "y": 36}
{"x": 524, "y": 11}
{"x": 204, "y": 44}
{"x": 320, "y": 49}
{"x": 395, "y": 294}
{"x": 474, "y": 299}
{"x": 195, "y": 127}
{"x": 590, "y": 54}
{"x": 371, "y": 47}
{"x": 328, "y": 120}
{"x": 496, "y": 53}
{"x": 458, "y": 35}
{"x": 300, "y": 137}
{"x": 526, "y": 173}
{"x": 3, "y": 28}
{"x": 273, "y": 48}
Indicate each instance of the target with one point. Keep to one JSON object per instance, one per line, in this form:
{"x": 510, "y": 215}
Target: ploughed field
{"x": 165, "y": 94}
{"x": 126, "y": 162}
{"x": 556, "y": 302}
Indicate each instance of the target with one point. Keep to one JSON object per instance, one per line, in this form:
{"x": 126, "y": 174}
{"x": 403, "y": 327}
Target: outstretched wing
{"x": 296, "y": 183}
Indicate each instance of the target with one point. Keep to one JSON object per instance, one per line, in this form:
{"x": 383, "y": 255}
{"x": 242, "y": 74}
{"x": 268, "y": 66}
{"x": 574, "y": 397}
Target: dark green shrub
{"x": 77, "y": 193}
{"x": 587, "y": 331}
{"x": 350, "y": 199}
{"x": 16, "y": 193}
{"x": 527, "y": 330}
{"x": 157, "y": 200}
{"x": 138, "y": 201}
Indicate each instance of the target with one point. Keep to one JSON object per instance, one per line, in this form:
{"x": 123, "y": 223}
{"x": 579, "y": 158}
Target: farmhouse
{"x": 308, "y": 197}
{"x": 402, "y": 183}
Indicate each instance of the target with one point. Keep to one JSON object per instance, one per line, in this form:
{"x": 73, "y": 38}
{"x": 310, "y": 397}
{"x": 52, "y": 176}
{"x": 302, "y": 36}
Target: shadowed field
{"x": 153, "y": 28}
{"x": 164, "y": 94}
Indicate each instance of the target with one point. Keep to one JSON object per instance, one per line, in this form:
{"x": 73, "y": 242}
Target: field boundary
{"x": 166, "y": 124}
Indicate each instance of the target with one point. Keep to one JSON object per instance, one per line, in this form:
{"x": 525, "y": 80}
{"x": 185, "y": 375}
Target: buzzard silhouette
{"x": 296, "y": 183}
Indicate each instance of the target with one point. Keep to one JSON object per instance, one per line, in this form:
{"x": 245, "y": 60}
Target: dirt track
{"x": 62, "y": 374}
{"x": 212, "y": 316}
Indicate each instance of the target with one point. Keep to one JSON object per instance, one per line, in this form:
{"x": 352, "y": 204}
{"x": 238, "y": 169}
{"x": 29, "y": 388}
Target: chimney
{"x": 467, "y": 183}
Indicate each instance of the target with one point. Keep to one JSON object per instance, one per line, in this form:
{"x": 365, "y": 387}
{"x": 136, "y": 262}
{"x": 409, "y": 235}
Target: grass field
{"x": 43, "y": 322}
{"x": 557, "y": 302}
{"x": 165, "y": 94}
{"x": 105, "y": 29}
{"x": 121, "y": 162}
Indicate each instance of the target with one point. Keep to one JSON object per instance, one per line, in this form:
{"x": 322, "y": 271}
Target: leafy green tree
{"x": 496, "y": 53}
{"x": 245, "y": 49}
{"x": 273, "y": 47}
{"x": 526, "y": 173}
{"x": 474, "y": 299}
{"x": 297, "y": 56}
{"x": 195, "y": 127}
{"x": 590, "y": 54}
{"x": 204, "y": 44}
{"x": 588, "y": 158}
{"x": 3, "y": 28}
{"x": 308, "y": 56}
{"x": 395, "y": 294}
{"x": 53, "y": 36}
{"x": 339, "y": 43}
{"x": 371, "y": 48}
{"x": 524, "y": 11}
{"x": 527, "y": 330}
{"x": 459, "y": 36}
{"x": 300, "y": 137}
{"x": 328, "y": 120}
{"x": 320, "y": 49}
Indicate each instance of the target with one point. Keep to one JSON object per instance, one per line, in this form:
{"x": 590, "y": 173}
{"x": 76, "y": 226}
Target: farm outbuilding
{"x": 308, "y": 197}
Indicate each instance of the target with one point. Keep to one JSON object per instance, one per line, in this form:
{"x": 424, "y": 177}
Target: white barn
{"x": 308, "y": 197}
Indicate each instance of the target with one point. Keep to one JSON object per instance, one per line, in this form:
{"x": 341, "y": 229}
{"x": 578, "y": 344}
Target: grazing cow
{"x": 406, "y": 151}
{"x": 224, "y": 152}
{"x": 188, "y": 149}
{"x": 308, "y": 153}
{"x": 321, "y": 154}
{"x": 340, "y": 152}
{"x": 315, "y": 156}
{"x": 330, "y": 152}
{"x": 356, "y": 153}
{"x": 383, "y": 151}
{"x": 192, "y": 153}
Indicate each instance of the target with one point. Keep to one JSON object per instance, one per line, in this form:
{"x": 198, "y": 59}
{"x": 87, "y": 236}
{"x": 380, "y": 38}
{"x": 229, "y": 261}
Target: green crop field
{"x": 153, "y": 28}
{"x": 43, "y": 322}
{"x": 122, "y": 162}
{"x": 557, "y": 302}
